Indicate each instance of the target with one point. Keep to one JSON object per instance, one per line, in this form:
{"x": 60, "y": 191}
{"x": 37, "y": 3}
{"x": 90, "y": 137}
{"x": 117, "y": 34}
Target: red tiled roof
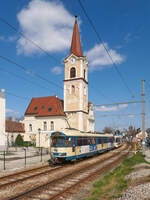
{"x": 14, "y": 127}
{"x": 45, "y": 106}
{"x": 76, "y": 43}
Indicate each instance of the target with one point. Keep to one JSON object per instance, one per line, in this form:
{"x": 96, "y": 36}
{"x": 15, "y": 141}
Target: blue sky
{"x": 125, "y": 29}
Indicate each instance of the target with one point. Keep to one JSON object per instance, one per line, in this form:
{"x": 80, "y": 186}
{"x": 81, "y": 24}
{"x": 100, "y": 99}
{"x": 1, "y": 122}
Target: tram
{"x": 117, "y": 141}
{"x": 71, "y": 144}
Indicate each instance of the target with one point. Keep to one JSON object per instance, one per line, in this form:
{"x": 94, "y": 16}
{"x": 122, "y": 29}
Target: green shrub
{"x": 19, "y": 141}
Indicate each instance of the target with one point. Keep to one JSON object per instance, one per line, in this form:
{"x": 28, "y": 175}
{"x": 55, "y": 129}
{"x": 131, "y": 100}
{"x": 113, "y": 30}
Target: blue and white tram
{"x": 71, "y": 144}
{"x": 117, "y": 141}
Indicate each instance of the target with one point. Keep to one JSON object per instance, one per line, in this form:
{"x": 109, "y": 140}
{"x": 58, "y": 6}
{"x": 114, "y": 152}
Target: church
{"x": 46, "y": 114}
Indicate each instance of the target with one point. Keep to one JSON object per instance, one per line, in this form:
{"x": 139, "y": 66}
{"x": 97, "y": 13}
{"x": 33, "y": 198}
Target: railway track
{"x": 54, "y": 187}
{"x": 25, "y": 174}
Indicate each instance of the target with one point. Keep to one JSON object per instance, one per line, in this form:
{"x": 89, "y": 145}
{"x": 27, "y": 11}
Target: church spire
{"x": 76, "y": 43}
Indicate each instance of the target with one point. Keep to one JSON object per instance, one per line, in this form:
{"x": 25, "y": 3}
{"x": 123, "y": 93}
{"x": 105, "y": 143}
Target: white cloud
{"x": 57, "y": 70}
{"x": 127, "y": 37}
{"x": 46, "y": 23}
{"x": 98, "y": 57}
{"x": 130, "y": 116}
{"x": 10, "y": 111}
{"x": 112, "y": 108}
{"x": 12, "y": 38}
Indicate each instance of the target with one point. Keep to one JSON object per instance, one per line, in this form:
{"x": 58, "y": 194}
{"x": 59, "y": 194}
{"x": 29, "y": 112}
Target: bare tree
{"x": 108, "y": 130}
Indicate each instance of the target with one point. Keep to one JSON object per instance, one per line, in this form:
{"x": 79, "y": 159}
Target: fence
{"x": 18, "y": 157}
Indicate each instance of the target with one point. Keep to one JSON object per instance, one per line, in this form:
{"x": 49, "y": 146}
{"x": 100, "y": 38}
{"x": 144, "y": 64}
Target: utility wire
{"x": 20, "y": 97}
{"x": 23, "y": 78}
{"x": 101, "y": 93}
{"x": 120, "y": 115}
{"x": 28, "y": 39}
{"x": 30, "y": 72}
{"x": 86, "y": 41}
{"x": 107, "y": 51}
{"x": 119, "y": 103}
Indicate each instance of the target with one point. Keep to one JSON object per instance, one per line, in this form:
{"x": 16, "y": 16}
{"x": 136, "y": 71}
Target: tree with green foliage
{"x": 19, "y": 140}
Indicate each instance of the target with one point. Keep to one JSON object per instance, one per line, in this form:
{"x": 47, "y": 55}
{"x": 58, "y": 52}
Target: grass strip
{"x": 113, "y": 183}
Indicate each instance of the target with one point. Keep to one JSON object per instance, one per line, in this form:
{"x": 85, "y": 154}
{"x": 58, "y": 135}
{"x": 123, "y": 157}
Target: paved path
{"x": 16, "y": 160}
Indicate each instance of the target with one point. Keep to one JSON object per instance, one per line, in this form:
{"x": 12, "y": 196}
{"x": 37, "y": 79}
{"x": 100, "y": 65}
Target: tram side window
{"x": 93, "y": 140}
{"x": 100, "y": 140}
{"x": 68, "y": 141}
{"x": 88, "y": 141}
{"x": 85, "y": 140}
{"x": 79, "y": 141}
{"x": 58, "y": 142}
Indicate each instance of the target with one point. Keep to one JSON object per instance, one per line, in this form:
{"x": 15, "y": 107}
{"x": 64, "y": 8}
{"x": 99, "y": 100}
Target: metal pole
{"x": 25, "y": 157}
{"x": 41, "y": 154}
{"x": 143, "y": 116}
{"x": 39, "y": 140}
{"x": 4, "y": 161}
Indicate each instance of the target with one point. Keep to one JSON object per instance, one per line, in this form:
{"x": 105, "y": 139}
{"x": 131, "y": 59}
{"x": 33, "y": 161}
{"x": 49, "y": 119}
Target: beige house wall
{"x": 43, "y": 140}
{"x": 38, "y": 122}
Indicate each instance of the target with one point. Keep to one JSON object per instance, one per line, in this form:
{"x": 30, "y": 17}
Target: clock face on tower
{"x": 72, "y": 60}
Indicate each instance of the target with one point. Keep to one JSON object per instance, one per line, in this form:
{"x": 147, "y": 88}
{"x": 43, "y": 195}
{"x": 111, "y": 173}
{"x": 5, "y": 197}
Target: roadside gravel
{"x": 140, "y": 182}
{"x": 140, "y": 192}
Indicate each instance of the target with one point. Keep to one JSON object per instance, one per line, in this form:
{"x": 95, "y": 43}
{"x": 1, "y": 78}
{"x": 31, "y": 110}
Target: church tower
{"x": 76, "y": 84}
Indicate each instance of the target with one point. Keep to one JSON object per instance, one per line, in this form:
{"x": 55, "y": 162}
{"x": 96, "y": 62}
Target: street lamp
{"x": 39, "y": 130}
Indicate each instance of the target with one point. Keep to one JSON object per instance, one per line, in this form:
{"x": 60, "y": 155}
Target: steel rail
{"x": 21, "y": 178}
{"x": 37, "y": 189}
{"x": 92, "y": 175}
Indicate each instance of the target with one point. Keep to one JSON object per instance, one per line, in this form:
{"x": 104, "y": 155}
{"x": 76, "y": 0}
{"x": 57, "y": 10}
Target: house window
{"x": 12, "y": 139}
{"x": 52, "y": 125}
{"x": 45, "y": 126}
{"x": 72, "y": 89}
{"x": 35, "y": 108}
{"x": 72, "y": 72}
{"x": 50, "y": 109}
{"x": 30, "y": 127}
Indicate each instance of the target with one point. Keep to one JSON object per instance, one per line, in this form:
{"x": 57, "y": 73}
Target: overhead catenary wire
{"x": 97, "y": 89}
{"x": 107, "y": 51}
{"x": 20, "y": 97}
{"x": 119, "y": 103}
{"x": 23, "y": 78}
{"x": 120, "y": 115}
{"x": 30, "y": 72}
{"x": 27, "y": 38}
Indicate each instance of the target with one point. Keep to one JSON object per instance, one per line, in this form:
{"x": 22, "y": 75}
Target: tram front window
{"x": 58, "y": 142}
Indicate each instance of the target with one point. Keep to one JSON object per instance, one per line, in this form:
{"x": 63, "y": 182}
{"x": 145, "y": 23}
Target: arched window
{"x": 52, "y": 125}
{"x": 30, "y": 127}
{"x": 45, "y": 126}
{"x": 72, "y": 72}
{"x": 72, "y": 89}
